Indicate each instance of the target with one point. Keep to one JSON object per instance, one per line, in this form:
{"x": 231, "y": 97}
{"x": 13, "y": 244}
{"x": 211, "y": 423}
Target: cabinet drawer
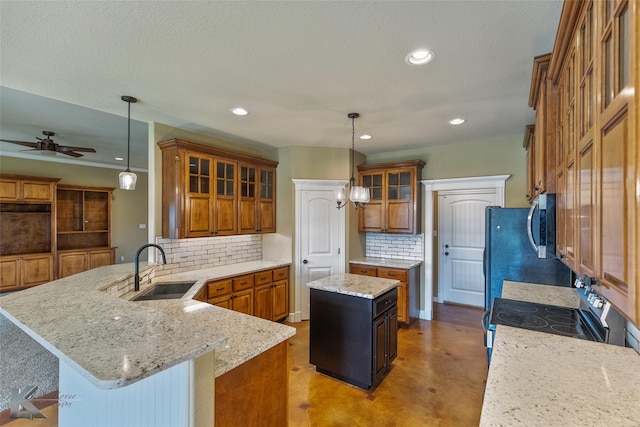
{"x": 393, "y": 273}
{"x": 364, "y": 270}
{"x": 243, "y": 282}
{"x": 215, "y": 289}
{"x": 263, "y": 277}
{"x": 280, "y": 273}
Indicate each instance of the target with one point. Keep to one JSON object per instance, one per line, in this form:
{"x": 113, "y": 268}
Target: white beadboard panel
{"x": 466, "y": 277}
{"x": 319, "y": 242}
{"x": 468, "y": 229}
{"x": 162, "y": 400}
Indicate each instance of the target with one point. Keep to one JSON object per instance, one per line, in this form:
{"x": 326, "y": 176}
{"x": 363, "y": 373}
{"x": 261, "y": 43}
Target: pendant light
{"x": 358, "y": 195}
{"x": 127, "y": 178}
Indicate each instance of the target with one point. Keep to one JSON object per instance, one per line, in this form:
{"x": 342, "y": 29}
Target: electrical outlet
{"x": 142, "y": 226}
{"x": 122, "y": 258}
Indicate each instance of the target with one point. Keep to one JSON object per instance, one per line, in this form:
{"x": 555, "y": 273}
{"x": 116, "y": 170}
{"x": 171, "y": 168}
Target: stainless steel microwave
{"x": 541, "y": 225}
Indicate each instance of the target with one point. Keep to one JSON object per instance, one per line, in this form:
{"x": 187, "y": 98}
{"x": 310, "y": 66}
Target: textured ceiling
{"x": 299, "y": 67}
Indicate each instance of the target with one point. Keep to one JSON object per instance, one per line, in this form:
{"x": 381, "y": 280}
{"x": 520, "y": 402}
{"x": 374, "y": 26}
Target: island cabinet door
{"x": 385, "y": 343}
{"x": 379, "y": 347}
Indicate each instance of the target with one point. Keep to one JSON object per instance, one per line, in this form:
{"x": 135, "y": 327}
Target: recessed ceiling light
{"x": 365, "y": 136}
{"x": 420, "y": 57}
{"x": 239, "y": 111}
{"x": 456, "y": 121}
{"x": 119, "y": 158}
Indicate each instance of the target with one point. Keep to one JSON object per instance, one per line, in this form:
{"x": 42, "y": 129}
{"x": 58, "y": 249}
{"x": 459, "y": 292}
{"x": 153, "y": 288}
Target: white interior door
{"x": 461, "y": 245}
{"x": 321, "y": 238}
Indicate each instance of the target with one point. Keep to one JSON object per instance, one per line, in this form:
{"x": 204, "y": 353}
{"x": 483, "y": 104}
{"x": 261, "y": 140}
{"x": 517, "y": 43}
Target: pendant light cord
{"x": 128, "y": 136}
{"x": 353, "y": 151}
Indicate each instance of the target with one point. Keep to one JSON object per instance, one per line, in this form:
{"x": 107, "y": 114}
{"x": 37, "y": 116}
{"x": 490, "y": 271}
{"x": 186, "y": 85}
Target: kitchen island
{"x": 543, "y": 379}
{"x": 110, "y": 347}
{"x": 353, "y": 327}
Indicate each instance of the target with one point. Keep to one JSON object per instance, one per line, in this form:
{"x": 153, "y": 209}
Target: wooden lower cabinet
{"x": 257, "y": 294}
{"x": 241, "y": 302}
{"x": 23, "y": 271}
{"x": 256, "y": 392}
{"x": 73, "y": 262}
{"x": 408, "y": 288}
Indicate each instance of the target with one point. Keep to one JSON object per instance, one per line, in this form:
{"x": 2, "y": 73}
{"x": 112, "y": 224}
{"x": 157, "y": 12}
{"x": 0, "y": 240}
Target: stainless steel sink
{"x": 171, "y": 290}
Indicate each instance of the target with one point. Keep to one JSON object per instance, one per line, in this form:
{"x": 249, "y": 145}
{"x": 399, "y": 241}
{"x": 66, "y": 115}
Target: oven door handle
{"x": 484, "y": 321}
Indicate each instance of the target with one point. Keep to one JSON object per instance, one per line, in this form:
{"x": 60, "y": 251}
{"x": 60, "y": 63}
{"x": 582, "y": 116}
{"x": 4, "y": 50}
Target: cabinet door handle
{"x": 220, "y": 289}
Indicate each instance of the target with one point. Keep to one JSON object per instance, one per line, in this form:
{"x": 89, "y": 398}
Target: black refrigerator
{"x": 510, "y": 254}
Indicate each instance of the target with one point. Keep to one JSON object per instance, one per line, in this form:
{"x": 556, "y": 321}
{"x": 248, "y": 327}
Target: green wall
{"x": 502, "y": 156}
{"x": 128, "y": 208}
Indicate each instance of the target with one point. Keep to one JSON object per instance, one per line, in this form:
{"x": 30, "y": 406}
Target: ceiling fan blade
{"x": 70, "y": 153}
{"x": 64, "y": 149}
{"x": 24, "y": 143}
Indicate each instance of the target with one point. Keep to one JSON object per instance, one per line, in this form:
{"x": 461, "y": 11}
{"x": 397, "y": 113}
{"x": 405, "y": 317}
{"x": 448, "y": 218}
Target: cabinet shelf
{"x": 81, "y": 232}
{"x": 83, "y": 216}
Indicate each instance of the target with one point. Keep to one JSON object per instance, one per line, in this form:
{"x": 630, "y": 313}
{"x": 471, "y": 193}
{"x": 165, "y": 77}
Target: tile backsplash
{"x": 395, "y": 246}
{"x": 206, "y": 252}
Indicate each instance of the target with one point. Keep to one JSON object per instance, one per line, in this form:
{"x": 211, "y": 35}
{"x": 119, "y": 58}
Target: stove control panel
{"x": 604, "y": 313}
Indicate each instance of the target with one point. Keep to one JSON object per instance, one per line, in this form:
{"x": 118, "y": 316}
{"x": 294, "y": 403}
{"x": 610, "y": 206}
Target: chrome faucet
{"x": 137, "y": 262}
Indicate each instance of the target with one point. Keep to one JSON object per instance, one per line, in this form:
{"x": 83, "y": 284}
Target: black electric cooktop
{"x": 541, "y": 317}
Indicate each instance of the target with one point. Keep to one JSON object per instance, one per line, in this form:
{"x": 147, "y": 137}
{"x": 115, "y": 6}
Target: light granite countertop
{"x": 386, "y": 262}
{"x": 562, "y": 296}
{"x": 114, "y": 342}
{"x": 543, "y": 379}
{"x": 355, "y": 285}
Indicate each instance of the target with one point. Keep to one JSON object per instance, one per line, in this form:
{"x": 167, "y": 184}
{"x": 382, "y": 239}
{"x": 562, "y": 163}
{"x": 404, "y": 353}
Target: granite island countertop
{"x": 355, "y": 285}
{"x": 543, "y": 379}
{"x": 386, "y": 262}
{"x": 92, "y": 331}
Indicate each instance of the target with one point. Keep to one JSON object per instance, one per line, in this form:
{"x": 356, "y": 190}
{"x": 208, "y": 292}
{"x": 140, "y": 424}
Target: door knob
{"x": 304, "y": 261}
{"x": 446, "y": 246}
{"x": 446, "y": 253}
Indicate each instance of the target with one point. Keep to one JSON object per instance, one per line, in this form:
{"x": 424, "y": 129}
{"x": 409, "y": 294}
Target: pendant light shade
{"x": 127, "y": 178}
{"x": 358, "y": 195}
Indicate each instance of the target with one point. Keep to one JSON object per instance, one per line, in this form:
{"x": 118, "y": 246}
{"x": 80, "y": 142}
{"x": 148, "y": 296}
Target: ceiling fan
{"x": 47, "y": 146}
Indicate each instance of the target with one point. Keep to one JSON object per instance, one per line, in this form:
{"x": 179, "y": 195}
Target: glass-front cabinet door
{"x": 267, "y": 201}
{"x": 198, "y": 208}
{"x": 371, "y": 217}
{"x": 400, "y": 203}
{"x": 248, "y": 188}
{"x": 394, "y": 200}
{"x": 225, "y": 198}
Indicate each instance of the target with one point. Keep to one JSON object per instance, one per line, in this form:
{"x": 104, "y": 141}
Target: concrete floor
{"x": 438, "y": 379}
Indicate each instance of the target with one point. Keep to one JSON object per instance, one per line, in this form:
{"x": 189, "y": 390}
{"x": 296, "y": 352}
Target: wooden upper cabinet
{"x": 529, "y": 145}
{"x": 257, "y": 199}
{"x": 248, "y": 183}
{"x": 394, "y": 205}
{"x": 225, "y": 198}
{"x": 595, "y": 68}
{"x": 18, "y": 188}
{"x": 208, "y": 191}
{"x": 540, "y": 144}
{"x": 618, "y": 157}
{"x": 267, "y": 200}
{"x": 198, "y": 203}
